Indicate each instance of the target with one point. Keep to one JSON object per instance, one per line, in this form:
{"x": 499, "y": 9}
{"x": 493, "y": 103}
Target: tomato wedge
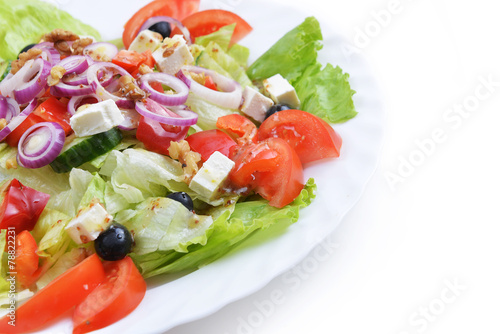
{"x": 311, "y": 137}
{"x": 120, "y": 293}
{"x": 129, "y": 60}
{"x": 207, "y": 142}
{"x": 271, "y": 168}
{"x": 21, "y": 207}
{"x": 177, "y": 9}
{"x": 209, "y": 21}
{"x": 156, "y": 137}
{"x": 26, "y": 259}
{"x": 13, "y": 138}
{"x": 57, "y": 297}
{"x": 238, "y": 127}
{"x": 281, "y": 186}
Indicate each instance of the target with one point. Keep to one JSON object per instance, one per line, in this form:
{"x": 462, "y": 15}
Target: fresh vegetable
{"x": 239, "y": 127}
{"x": 63, "y": 293}
{"x": 209, "y": 141}
{"x": 129, "y": 60}
{"x": 21, "y": 206}
{"x": 178, "y": 9}
{"x": 311, "y": 137}
{"x": 84, "y": 149}
{"x": 27, "y": 270}
{"x": 118, "y": 295}
{"x": 208, "y": 21}
{"x": 54, "y": 110}
{"x": 40, "y": 145}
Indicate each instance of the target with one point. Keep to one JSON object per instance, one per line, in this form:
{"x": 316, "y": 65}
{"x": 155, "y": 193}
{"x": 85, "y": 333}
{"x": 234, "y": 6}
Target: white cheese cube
{"x": 172, "y": 55}
{"x": 146, "y": 40}
{"x": 280, "y": 90}
{"x": 96, "y": 118}
{"x": 89, "y": 224}
{"x": 212, "y": 175}
{"x": 255, "y": 104}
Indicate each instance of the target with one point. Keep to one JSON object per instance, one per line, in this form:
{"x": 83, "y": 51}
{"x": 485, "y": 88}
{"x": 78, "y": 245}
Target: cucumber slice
{"x": 85, "y": 149}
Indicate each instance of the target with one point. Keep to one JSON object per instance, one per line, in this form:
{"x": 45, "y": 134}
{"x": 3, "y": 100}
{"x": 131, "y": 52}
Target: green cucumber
{"x": 85, "y": 149}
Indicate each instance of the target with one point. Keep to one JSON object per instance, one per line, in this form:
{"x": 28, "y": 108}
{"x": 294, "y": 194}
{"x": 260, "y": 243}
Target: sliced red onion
{"x": 50, "y": 54}
{"x": 231, "y": 94}
{"x": 73, "y": 79}
{"x": 35, "y": 81}
{"x": 182, "y": 91}
{"x": 132, "y": 118}
{"x": 155, "y": 111}
{"x": 74, "y": 64}
{"x": 100, "y": 90}
{"x": 64, "y": 89}
{"x": 12, "y": 109}
{"x": 13, "y": 81}
{"x": 77, "y": 101}
{"x": 40, "y": 145}
{"x": 4, "y": 106}
{"x": 155, "y": 19}
{"x": 15, "y": 121}
{"x": 101, "y": 51}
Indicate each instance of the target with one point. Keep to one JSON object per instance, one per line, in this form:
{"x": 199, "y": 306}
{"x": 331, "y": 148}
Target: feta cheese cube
{"x": 280, "y": 90}
{"x": 172, "y": 55}
{"x": 96, "y": 118}
{"x": 88, "y": 224}
{"x": 212, "y": 175}
{"x": 255, "y": 104}
{"x": 146, "y": 40}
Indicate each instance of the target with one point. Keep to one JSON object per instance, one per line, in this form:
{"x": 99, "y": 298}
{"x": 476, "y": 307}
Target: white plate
{"x": 340, "y": 182}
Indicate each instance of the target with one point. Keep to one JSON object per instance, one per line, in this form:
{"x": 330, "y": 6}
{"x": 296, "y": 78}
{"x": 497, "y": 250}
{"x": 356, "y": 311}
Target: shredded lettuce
{"x": 208, "y": 113}
{"x": 228, "y": 230}
{"x": 24, "y": 22}
{"x": 323, "y": 92}
{"x": 222, "y": 37}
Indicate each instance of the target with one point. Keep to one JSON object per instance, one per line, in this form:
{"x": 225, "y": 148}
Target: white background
{"x": 397, "y": 249}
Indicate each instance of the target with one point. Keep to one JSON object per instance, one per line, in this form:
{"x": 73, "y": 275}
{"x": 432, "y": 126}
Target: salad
{"x": 158, "y": 156}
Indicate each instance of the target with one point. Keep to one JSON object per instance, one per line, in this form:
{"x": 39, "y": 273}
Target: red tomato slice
{"x": 21, "y": 207}
{"x": 150, "y": 61}
{"x": 54, "y": 110}
{"x": 26, "y": 259}
{"x": 281, "y": 186}
{"x": 157, "y": 137}
{"x": 13, "y": 138}
{"x": 177, "y": 9}
{"x": 207, "y": 142}
{"x": 238, "y": 127}
{"x": 129, "y": 60}
{"x": 250, "y": 160}
{"x": 310, "y": 136}
{"x": 210, "y": 84}
{"x": 121, "y": 292}
{"x": 57, "y": 297}
{"x": 209, "y": 21}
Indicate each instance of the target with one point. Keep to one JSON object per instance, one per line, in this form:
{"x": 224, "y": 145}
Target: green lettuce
{"x": 315, "y": 90}
{"x": 231, "y": 227}
{"x": 221, "y": 37}
{"x": 162, "y": 224}
{"x": 291, "y": 55}
{"x": 24, "y": 22}
{"x": 208, "y": 113}
{"x": 324, "y": 92}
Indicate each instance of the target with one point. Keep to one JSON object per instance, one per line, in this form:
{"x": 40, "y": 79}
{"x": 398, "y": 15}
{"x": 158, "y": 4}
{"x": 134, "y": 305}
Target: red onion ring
{"x": 77, "y": 101}
{"x": 37, "y": 75}
{"x": 155, "y": 19}
{"x": 50, "y": 54}
{"x": 48, "y": 138}
{"x": 158, "y": 113}
{"x": 98, "y": 88}
{"x": 169, "y": 80}
{"x": 231, "y": 95}
{"x": 64, "y": 89}
{"x": 16, "y": 120}
{"x": 74, "y": 64}
{"x": 11, "y": 109}
{"x": 13, "y": 81}
{"x": 97, "y": 50}
{"x": 4, "y": 107}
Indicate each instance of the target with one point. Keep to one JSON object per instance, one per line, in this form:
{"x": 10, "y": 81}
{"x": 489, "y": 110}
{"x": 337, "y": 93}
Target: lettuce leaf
{"x": 23, "y": 22}
{"x": 324, "y": 92}
{"x": 221, "y": 37}
{"x": 291, "y": 55}
{"x": 208, "y": 113}
{"x": 227, "y": 231}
